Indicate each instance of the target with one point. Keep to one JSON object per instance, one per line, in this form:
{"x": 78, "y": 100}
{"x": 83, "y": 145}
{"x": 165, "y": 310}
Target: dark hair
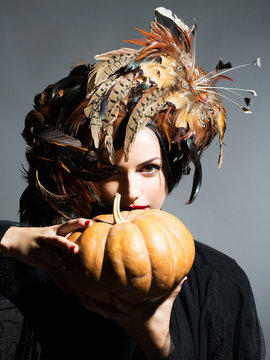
{"x": 172, "y": 164}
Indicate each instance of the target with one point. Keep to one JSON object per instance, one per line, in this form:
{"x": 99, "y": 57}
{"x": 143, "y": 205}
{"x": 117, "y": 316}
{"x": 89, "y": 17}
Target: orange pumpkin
{"x": 138, "y": 255}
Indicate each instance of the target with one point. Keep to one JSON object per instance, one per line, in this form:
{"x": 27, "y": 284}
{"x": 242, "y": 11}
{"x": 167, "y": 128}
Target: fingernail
{"x": 88, "y": 222}
{"x": 74, "y": 249}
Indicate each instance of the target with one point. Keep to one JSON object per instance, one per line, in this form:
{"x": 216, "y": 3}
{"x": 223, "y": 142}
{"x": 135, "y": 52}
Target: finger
{"x": 183, "y": 281}
{"x": 62, "y": 243}
{"x": 73, "y": 225}
{"x": 171, "y": 296}
{"x": 177, "y": 289}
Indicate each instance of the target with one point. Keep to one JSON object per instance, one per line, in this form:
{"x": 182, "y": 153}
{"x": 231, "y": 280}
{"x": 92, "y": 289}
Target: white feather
{"x": 169, "y": 14}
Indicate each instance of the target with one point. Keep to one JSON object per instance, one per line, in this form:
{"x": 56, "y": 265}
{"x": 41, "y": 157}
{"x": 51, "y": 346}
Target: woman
{"x": 132, "y": 124}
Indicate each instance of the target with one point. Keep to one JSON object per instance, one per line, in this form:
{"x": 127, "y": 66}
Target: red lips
{"x": 134, "y": 207}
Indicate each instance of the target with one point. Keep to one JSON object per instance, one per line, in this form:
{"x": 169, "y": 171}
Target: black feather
{"x": 171, "y": 25}
{"x": 247, "y": 101}
{"x": 197, "y": 177}
{"x": 221, "y": 65}
{"x": 57, "y": 136}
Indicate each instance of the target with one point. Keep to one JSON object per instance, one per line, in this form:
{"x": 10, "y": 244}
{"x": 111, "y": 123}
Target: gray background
{"x": 42, "y": 40}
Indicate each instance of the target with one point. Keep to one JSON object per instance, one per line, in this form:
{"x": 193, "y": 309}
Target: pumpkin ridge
{"x": 172, "y": 240}
{"x": 93, "y": 242}
{"x": 161, "y": 278}
{"x": 170, "y": 220}
{"x": 165, "y": 232}
{"x": 132, "y": 279}
{"x": 188, "y": 246}
{"x": 119, "y": 257}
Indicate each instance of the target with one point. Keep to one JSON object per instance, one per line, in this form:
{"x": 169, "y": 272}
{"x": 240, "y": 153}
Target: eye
{"x": 151, "y": 169}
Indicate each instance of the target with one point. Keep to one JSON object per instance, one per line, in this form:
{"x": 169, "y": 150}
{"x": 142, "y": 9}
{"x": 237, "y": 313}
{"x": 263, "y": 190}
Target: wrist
{"x": 10, "y": 240}
{"x": 167, "y": 347}
{"x": 158, "y": 349}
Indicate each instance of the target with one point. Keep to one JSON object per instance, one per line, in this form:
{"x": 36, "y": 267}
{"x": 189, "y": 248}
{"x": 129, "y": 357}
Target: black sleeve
{"x": 214, "y": 316}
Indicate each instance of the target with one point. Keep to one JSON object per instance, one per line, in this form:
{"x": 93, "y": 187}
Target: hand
{"x": 41, "y": 246}
{"x": 147, "y": 323}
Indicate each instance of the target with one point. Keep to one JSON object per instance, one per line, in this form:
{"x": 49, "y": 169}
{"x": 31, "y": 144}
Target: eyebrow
{"x": 141, "y": 164}
{"x": 150, "y": 161}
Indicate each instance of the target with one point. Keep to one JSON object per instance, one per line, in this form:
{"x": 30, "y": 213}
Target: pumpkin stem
{"x": 117, "y": 217}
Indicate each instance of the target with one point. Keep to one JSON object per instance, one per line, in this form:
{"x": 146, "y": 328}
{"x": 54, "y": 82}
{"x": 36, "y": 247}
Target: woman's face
{"x": 140, "y": 180}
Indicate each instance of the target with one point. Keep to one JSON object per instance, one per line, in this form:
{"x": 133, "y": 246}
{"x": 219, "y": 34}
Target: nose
{"x": 129, "y": 188}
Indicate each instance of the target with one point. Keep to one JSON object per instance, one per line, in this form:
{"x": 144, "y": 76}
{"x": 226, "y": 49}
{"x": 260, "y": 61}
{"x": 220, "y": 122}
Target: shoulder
{"x": 218, "y": 296}
{"x": 209, "y": 260}
{"x": 221, "y": 287}
{"x": 219, "y": 272}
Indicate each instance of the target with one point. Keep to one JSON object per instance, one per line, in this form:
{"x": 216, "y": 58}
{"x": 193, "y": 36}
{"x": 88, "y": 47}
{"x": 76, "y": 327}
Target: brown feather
{"x": 149, "y": 105}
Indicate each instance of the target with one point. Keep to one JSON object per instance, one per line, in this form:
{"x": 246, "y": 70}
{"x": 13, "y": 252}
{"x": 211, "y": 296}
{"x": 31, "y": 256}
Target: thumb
{"x": 178, "y": 288}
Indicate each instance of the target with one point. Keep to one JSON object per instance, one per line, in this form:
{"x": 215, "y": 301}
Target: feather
{"x": 117, "y": 95}
{"x": 65, "y": 146}
{"x": 169, "y": 20}
{"x": 181, "y": 120}
{"x": 197, "y": 177}
{"x": 93, "y": 110}
{"x": 61, "y": 203}
{"x": 175, "y": 25}
{"x": 57, "y": 137}
{"x": 221, "y": 65}
{"x": 149, "y": 105}
{"x": 109, "y": 64}
{"x": 257, "y": 62}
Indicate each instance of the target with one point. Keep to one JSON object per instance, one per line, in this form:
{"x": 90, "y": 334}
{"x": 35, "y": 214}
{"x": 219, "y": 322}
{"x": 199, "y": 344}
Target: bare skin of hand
{"x": 41, "y": 246}
{"x": 147, "y": 323}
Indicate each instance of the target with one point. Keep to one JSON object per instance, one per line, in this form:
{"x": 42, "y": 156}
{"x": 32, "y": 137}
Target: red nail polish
{"x": 74, "y": 249}
{"x": 88, "y": 222}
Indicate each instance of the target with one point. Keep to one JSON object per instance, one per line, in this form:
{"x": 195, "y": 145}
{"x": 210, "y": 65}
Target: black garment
{"x": 213, "y": 317}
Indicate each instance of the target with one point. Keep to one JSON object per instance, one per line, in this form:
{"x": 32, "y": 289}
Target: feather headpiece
{"x": 163, "y": 81}
{"x": 75, "y": 118}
